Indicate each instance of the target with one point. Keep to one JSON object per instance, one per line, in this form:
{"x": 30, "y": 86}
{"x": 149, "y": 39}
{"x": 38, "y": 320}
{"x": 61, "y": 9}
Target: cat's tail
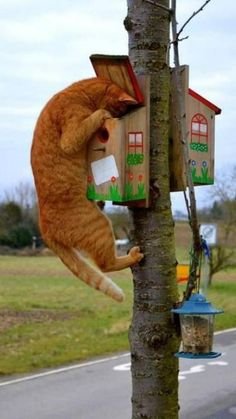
{"x": 96, "y": 279}
{"x": 88, "y": 273}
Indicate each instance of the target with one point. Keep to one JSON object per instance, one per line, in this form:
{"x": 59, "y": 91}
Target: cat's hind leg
{"x": 117, "y": 263}
{"x": 100, "y": 245}
{"x": 85, "y": 271}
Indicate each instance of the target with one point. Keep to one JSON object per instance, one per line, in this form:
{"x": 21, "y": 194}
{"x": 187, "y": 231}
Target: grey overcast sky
{"x": 45, "y": 45}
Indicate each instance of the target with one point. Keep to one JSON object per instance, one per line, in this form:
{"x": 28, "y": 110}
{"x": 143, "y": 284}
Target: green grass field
{"x": 49, "y": 318}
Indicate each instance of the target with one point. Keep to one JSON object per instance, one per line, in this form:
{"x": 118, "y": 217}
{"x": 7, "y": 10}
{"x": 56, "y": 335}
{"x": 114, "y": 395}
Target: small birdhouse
{"x": 197, "y": 327}
{"x": 118, "y": 155}
{"x": 200, "y": 121}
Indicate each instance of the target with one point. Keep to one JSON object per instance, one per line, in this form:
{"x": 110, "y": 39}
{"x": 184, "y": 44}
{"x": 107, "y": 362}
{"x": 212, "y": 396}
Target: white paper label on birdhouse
{"x": 104, "y": 170}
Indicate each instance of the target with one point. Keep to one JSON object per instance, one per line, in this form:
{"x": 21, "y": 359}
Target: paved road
{"x": 209, "y": 390}
{"x": 101, "y": 389}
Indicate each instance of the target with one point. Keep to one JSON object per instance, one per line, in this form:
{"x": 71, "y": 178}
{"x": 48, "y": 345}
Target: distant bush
{"x": 17, "y": 226}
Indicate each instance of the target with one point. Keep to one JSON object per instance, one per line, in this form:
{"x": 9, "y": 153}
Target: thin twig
{"x": 187, "y": 207}
{"x": 159, "y": 5}
{"x": 191, "y": 17}
{"x": 192, "y": 209}
{"x": 183, "y": 39}
{"x": 179, "y": 40}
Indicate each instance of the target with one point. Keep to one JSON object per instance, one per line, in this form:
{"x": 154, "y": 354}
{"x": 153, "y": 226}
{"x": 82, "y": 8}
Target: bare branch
{"x": 193, "y": 281}
{"x": 184, "y": 38}
{"x": 159, "y": 5}
{"x": 179, "y": 40}
{"x": 187, "y": 207}
{"x": 220, "y": 259}
{"x": 191, "y": 17}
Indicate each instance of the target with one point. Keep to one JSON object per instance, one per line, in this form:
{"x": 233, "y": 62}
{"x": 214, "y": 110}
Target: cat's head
{"x": 117, "y": 101}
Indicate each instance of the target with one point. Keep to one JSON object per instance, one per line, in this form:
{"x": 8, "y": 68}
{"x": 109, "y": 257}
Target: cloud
{"x": 214, "y": 12}
{"x": 18, "y": 111}
{"x": 46, "y": 45}
{"x": 54, "y": 26}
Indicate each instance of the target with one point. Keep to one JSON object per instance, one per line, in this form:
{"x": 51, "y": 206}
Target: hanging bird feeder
{"x": 197, "y": 327}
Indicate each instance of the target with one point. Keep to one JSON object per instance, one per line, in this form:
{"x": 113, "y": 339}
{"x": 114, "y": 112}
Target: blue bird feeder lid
{"x": 197, "y": 304}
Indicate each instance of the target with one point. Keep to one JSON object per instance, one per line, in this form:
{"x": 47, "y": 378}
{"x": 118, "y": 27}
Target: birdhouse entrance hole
{"x": 103, "y": 135}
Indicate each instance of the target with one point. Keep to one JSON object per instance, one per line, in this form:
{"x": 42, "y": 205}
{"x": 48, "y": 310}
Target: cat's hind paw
{"x": 136, "y": 255}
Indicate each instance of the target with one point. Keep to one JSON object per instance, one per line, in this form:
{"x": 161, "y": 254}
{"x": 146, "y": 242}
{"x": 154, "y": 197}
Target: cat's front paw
{"x": 135, "y": 254}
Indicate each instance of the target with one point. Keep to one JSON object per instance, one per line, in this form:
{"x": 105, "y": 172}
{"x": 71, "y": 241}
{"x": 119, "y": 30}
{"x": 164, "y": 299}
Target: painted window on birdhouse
{"x": 135, "y": 142}
{"x": 199, "y": 129}
{"x": 135, "y": 154}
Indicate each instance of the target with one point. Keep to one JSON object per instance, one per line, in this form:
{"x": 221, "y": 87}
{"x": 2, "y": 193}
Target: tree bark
{"x": 153, "y": 336}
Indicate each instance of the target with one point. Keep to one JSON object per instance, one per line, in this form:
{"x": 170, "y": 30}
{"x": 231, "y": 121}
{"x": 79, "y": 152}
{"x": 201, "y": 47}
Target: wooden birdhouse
{"x": 200, "y": 120}
{"x": 118, "y": 155}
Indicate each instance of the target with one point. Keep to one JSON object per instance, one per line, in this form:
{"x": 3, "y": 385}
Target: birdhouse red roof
{"x": 206, "y": 102}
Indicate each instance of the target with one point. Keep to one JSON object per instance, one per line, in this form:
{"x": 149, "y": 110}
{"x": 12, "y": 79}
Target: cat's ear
{"x": 127, "y": 99}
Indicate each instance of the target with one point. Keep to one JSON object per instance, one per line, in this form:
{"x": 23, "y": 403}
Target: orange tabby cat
{"x": 71, "y": 225}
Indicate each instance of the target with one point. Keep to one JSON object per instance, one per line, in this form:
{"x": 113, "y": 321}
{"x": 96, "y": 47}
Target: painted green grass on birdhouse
{"x": 112, "y": 195}
{"x": 141, "y": 191}
{"x": 133, "y": 159}
{"x": 94, "y": 196}
{"x": 128, "y": 191}
{"x": 203, "y": 148}
{"x": 115, "y": 193}
{"x": 131, "y": 196}
{"x": 91, "y": 192}
{"x": 204, "y": 178}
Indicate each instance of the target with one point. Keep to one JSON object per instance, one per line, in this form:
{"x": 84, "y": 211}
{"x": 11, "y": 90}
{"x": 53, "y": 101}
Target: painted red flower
{"x": 113, "y": 179}
{"x": 131, "y": 176}
{"x": 90, "y": 179}
{"x": 140, "y": 178}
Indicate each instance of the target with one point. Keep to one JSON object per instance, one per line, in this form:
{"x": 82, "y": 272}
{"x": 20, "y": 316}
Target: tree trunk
{"x": 153, "y": 336}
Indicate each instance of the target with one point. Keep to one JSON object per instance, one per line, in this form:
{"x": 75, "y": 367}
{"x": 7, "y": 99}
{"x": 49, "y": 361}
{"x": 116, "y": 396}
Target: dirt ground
{"x": 9, "y": 318}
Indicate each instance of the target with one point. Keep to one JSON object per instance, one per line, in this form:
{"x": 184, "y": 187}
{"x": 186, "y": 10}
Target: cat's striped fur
{"x": 71, "y": 225}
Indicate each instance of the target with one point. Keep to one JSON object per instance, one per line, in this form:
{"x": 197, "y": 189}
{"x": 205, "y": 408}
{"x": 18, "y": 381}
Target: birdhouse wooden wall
{"x": 200, "y": 119}
{"x": 201, "y": 126}
{"x": 118, "y": 157}
{"x": 176, "y": 158}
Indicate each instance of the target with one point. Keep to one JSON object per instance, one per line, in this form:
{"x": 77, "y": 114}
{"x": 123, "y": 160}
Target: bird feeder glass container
{"x": 197, "y": 327}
